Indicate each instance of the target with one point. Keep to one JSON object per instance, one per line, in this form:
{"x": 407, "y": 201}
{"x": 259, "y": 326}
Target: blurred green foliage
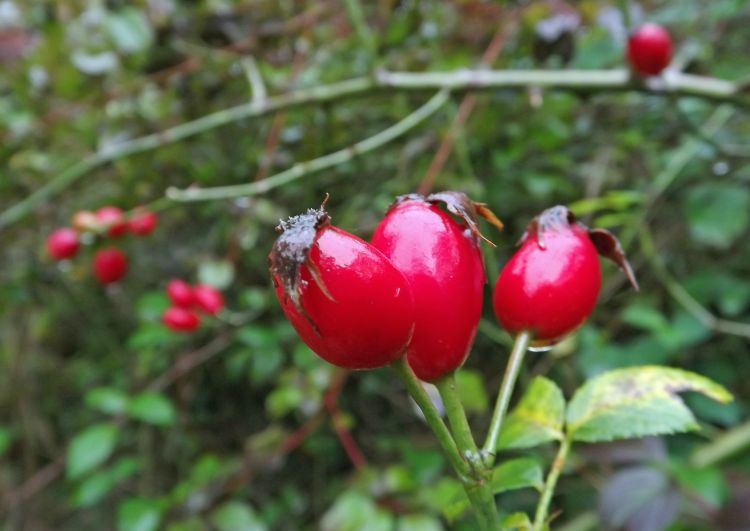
{"x": 107, "y": 420}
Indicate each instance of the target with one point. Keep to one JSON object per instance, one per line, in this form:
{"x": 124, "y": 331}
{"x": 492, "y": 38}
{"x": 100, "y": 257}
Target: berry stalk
{"x": 520, "y": 347}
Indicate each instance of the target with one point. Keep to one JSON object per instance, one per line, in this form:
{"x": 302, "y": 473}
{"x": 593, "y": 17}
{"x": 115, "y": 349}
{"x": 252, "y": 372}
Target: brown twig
{"x": 342, "y": 432}
{"x": 465, "y": 108}
{"x": 250, "y": 464}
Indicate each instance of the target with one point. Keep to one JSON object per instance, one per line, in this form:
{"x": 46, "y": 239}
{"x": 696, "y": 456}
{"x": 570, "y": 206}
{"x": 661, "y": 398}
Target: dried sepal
{"x": 292, "y": 250}
{"x": 459, "y": 204}
{"x": 553, "y": 219}
{"x": 609, "y": 247}
{"x": 561, "y": 218}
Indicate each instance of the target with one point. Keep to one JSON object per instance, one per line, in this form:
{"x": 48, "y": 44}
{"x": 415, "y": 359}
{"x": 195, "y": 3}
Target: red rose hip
{"x": 650, "y": 49}
{"x": 181, "y": 319}
{"x": 180, "y": 293}
{"x": 550, "y": 286}
{"x": 63, "y": 243}
{"x": 113, "y": 220}
{"x": 442, "y": 260}
{"x": 143, "y": 222}
{"x": 208, "y": 299}
{"x": 345, "y": 299}
{"x": 110, "y": 265}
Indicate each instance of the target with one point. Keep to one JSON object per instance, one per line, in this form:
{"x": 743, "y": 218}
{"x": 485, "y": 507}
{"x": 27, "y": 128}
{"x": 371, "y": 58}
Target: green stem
{"x": 301, "y": 169}
{"x": 477, "y": 489}
{"x": 520, "y": 346}
{"x": 549, "y": 485}
{"x": 727, "y": 444}
{"x": 585, "y": 81}
{"x": 432, "y": 416}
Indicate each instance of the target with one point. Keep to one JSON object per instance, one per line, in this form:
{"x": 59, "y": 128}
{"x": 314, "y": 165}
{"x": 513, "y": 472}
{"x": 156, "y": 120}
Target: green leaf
{"x": 90, "y": 448}
{"x": 237, "y": 516}
{"x": 153, "y": 408}
{"x": 537, "y": 419}
{"x": 354, "y": 512}
{"x": 99, "y": 484}
{"x": 708, "y": 483}
{"x": 6, "y": 438}
{"x": 519, "y": 521}
{"x": 637, "y": 402}
{"x": 216, "y": 273}
{"x": 130, "y": 30}
{"x": 138, "y": 514}
{"x": 516, "y": 474}
{"x": 107, "y": 400}
{"x": 718, "y": 213}
{"x": 419, "y": 522}
{"x": 471, "y": 390}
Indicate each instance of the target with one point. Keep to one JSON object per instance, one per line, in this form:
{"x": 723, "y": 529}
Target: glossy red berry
{"x": 143, "y": 222}
{"x": 110, "y": 265}
{"x": 551, "y": 284}
{"x": 181, "y": 319}
{"x": 208, "y": 299}
{"x": 63, "y": 243}
{"x": 442, "y": 260}
{"x": 650, "y": 49}
{"x": 113, "y": 220}
{"x": 346, "y": 300}
{"x": 180, "y": 293}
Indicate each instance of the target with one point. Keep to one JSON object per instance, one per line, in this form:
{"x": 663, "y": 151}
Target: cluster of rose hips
{"x": 417, "y": 288}
{"x": 649, "y": 49}
{"x": 187, "y": 301}
{"x": 110, "y": 263}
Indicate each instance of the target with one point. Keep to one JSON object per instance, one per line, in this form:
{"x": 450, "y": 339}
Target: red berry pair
{"x": 181, "y": 317}
{"x": 416, "y": 290}
{"x": 113, "y": 222}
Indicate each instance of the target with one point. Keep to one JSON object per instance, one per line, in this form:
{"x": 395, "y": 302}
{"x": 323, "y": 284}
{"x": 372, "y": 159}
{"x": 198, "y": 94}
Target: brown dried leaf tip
{"x": 459, "y": 204}
{"x": 607, "y": 245}
{"x": 292, "y": 250}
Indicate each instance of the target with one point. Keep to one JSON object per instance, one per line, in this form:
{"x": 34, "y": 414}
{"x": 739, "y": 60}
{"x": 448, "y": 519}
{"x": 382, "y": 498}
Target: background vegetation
{"x": 108, "y": 420}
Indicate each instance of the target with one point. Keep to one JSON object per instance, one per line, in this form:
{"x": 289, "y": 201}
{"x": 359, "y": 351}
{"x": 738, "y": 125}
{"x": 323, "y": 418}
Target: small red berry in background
{"x": 110, "y": 265}
{"x": 208, "y": 299}
{"x": 63, "y": 243}
{"x": 113, "y": 220}
{"x": 650, "y": 49}
{"x": 442, "y": 260}
{"x": 143, "y": 222}
{"x": 181, "y": 319}
{"x": 180, "y": 293}
{"x": 345, "y": 299}
{"x": 550, "y": 285}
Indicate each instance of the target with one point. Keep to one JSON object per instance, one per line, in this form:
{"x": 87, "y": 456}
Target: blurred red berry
{"x": 650, "y": 49}
{"x": 143, "y": 222}
{"x": 63, "y": 243}
{"x": 208, "y": 299}
{"x": 110, "y": 265}
{"x": 180, "y": 293}
{"x": 181, "y": 320}
{"x": 113, "y": 220}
